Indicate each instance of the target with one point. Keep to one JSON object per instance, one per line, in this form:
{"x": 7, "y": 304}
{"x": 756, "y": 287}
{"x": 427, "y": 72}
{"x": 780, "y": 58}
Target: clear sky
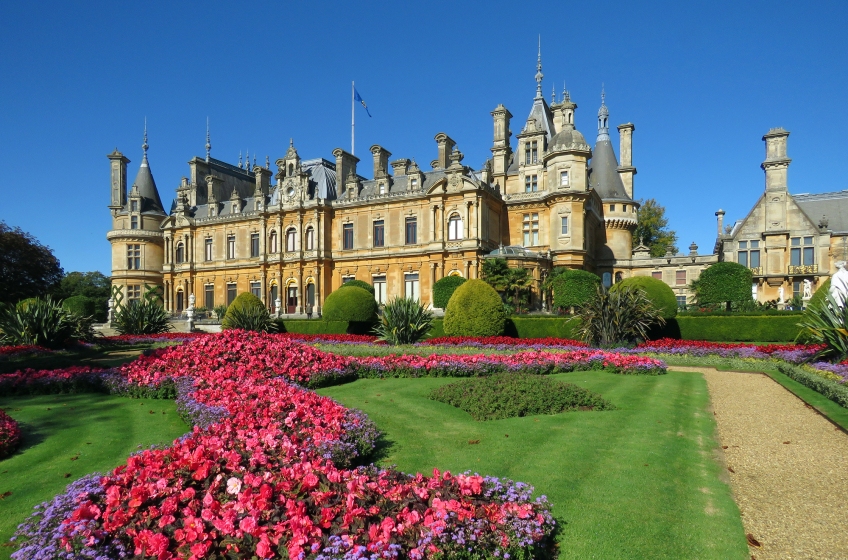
{"x": 702, "y": 82}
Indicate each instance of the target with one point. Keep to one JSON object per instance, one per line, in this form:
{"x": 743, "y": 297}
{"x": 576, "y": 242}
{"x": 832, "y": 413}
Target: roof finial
{"x": 208, "y": 143}
{"x": 565, "y": 95}
{"x": 267, "y": 162}
{"x": 291, "y": 142}
{"x": 553, "y": 94}
{"x": 145, "y": 146}
{"x": 603, "y": 117}
{"x": 254, "y": 159}
{"x": 247, "y": 159}
{"x": 539, "y": 74}
{"x": 239, "y": 159}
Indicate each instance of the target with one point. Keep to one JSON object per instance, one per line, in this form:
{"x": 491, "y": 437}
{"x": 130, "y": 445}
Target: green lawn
{"x": 68, "y": 436}
{"x": 641, "y": 481}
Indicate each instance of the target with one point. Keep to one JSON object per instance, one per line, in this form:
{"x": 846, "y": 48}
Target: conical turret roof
{"x": 146, "y": 185}
{"x": 603, "y": 168}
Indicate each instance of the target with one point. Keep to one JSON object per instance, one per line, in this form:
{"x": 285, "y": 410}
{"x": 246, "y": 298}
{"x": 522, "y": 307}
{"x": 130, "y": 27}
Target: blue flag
{"x": 358, "y": 97}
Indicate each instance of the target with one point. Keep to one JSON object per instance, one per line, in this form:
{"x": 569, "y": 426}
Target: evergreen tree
{"x": 652, "y": 229}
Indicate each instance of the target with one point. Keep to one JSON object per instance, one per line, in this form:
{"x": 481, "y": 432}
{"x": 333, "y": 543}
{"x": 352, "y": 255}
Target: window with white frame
{"x": 380, "y": 289}
{"x": 455, "y": 230}
{"x": 802, "y": 251}
{"x": 207, "y": 249}
{"x": 410, "y": 286}
{"x": 134, "y": 257}
{"x": 563, "y": 225}
{"x": 531, "y": 229}
{"x": 134, "y": 292}
{"x": 272, "y": 242}
{"x": 231, "y": 246}
{"x": 531, "y": 183}
{"x": 310, "y": 238}
{"x": 291, "y": 238}
{"x": 563, "y": 178}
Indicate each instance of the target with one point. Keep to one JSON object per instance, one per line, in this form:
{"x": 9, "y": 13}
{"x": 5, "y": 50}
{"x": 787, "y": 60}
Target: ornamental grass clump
{"x": 617, "y": 317}
{"x": 38, "y": 322}
{"x": 142, "y": 317}
{"x": 404, "y": 321}
{"x": 517, "y": 394}
{"x": 827, "y": 324}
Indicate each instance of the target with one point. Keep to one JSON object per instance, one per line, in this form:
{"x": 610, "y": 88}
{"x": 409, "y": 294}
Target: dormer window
{"x": 133, "y": 206}
{"x": 563, "y": 178}
{"x": 414, "y": 183}
{"x": 531, "y": 152}
{"x": 382, "y": 188}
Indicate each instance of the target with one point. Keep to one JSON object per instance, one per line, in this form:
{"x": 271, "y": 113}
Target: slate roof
{"x": 147, "y": 189}
{"x": 832, "y": 205}
{"x": 603, "y": 173}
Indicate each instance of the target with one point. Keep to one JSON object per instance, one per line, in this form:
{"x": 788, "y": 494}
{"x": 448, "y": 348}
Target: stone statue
{"x": 780, "y": 295}
{"x": 808, "y": 289}
{"x": 839, "y": 284}
{"x": 190, "y": 313}
{"x": 111, "y": 313}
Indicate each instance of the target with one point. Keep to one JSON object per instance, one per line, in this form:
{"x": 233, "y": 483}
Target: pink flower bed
{"x": 22, "y": 350}
{"x": 794, "y": 353}
{"x": 259, "y": 483}
{"x": 504, "y": 342}
{"x": 66, "y": 380}
{"x": 10, "y": 434}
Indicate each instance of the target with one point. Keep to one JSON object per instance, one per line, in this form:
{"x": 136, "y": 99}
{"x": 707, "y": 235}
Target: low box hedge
{"x": 730, "y": 328}
{"x": 834, "y": 391}
{"x": 542, "y": 327}
{"x": 313, "y": 326}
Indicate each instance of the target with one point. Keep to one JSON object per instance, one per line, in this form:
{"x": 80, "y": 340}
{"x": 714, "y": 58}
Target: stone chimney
{"x": 399, "y": 166}
{"x": 446, "y": 145}
{"x": 381, "y": 161}
{"x": 720, "y": 216}
{"x": 776, "y": 164}
{"x": 345, "y": 165}
{"x": 626, "y": 169}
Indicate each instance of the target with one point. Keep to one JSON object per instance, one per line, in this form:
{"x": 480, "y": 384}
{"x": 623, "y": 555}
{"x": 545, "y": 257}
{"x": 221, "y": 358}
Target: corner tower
{"x": 136, "y": 238}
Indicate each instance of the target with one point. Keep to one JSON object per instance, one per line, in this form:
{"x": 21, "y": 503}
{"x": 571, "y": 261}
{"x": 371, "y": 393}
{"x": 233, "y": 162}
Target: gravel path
{"x": 788, "y": 467}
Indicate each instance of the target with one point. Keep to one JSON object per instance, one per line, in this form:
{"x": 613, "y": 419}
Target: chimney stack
{"x": 446, "y": 145}
{"x": 720, "y": 216}
{"x": 399, "y": 166}
{"x": 345, "y": 165}
{"x": 381, "y": 161}
{"x": 626, "y": 169}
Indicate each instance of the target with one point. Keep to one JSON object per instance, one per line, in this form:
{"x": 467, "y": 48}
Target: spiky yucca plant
{"x": 404, "y": 321}
{"x": 142, "y": 317}
{"x": 617, "y": 317}
{"x": 41, "y": 322}
{"x": 250, "y": 318}
{"x": 827, "y": 324}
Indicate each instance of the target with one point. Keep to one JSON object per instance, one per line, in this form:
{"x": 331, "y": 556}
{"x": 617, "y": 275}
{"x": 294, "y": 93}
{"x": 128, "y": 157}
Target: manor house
{"x": 294, "y": 235}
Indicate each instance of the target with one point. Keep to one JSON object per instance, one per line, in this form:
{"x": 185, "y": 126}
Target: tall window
{"x": 531, "y": 229}
{"x": 681, "y": 302}
{"x": 231, "y": 247}
{"x": 411, "y": 231}
{"x": 133, "y": 206}
{"x": 347, "y": 236}
{"x": 657, "y": 274}
{"x": 256, "y": 288}
{"x": 410, "y": 282}
{"x": 563, "y": 178}
{"x": 180, "y": 252}
{"x": 231, "y": 292}
{"x": 413, "y": 183}
{"x": 531, "y": 183}
{"x": 802, "y": 251}
{"x": 749, "y": 253}
{"x": 134, "y": 222}
{"x": 134, "y": 292}
{"x": 563, "y": 221}
{"x": 680, "y": 278}
{"x": 455, "y": 230}
{"x": 380, "y": 289}
{"x": 291, "y": 239}
{"x": 531, "y": 152}
{"x": 209, "y": 296}
{"x": 310, "y": 238}
{"x": 134, "y": 257}
{"x": 379, "y": 234}
{"x": 254, "y": 244}
{"x": 272, "y": 242}
{"x": 207, "y": 248}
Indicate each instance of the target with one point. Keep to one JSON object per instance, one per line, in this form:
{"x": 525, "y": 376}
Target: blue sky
{"x": 702, "y": 82}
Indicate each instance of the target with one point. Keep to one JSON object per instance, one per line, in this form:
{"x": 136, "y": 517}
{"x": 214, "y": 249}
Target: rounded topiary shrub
{"x": 475, "y": 309}
{"x": 359, "y": 284}
{"x": 444, "y": 289}
{"x": 352, "y": 304}
{"x": 245, "y": 302}
{"x": 574, "y": 287}
{"x": 80, "y": 305}
{"x": 723, "y": 283}
{"x": 658, "y": 293}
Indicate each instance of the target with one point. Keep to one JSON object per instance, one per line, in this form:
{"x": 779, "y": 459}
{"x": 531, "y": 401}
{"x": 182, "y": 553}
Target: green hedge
{"x": 764, "y": 328}
{"x": 306, "y": 326}
{"x": 834, "y": 391}
{"x": 443, "y": 290}
{"x": 81, "y": 305}
{"x": 542, "y": 327}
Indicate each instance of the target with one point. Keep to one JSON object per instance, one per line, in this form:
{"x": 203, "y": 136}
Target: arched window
{"x": 180, "y": 252}
{"x": 310, "y": 238}
{"x": 291, "y": 235}
{"x": 272, "y": 242}
{"x": 617, "y": 277}
{"x": 455, "y": 230}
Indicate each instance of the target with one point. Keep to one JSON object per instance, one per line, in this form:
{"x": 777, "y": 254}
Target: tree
{"x": 723, "y": 282}
{"x": 93, "y": 286}
{"x": 28, "y": 268}
{"x": 510, "y": 283}
{"x": 652, "y": 229}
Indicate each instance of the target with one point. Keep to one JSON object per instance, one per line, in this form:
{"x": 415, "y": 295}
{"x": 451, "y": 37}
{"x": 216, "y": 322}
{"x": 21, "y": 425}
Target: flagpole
{"x": 352, "y": 121}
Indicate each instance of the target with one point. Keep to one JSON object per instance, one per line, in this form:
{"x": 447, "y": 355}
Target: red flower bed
{"x": 332, "y": 338}
{"x": 22, "y": 350}
{"x": 258, "y": 483}
{"x": 66, "y": 380}
{"x": 506, "y": 341}
{"x": 665, "y": 344}
{"x": 10, "y": 434}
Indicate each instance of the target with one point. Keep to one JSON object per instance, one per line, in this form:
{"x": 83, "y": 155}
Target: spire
{"x": 239, "y": 165}
{"x": 144, "y": 146}
{"x": 539, "y": 74}
{"x": 208, "y": 143}
{"x": 247, "y": 159}
{"x": 603, "y": 118}
{"x": 267, "y": 162}
{"x": 553, "y": 94}
{"x": 565, "y": 95}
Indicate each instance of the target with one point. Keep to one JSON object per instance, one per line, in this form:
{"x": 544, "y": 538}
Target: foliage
{"x": 404, "y": 321}
{"x": 723, "y": 282}
{"x": 475, "y": 309}
{"x": 39, "y": 322}
{"x": 658, "y": 293}
{"x": 573, "y": 287}
{"x": 827, "y": 324}
{"x": 732, "y": 328}
{"x": 833, "y": 390}
{"x": 247, "y": 312}
{"x": 652, "y": 229}
{"x": 306, "y": 326}
{"x": 617, "y": 317}
{"x": 243, "y": 301}
{"x": 74, "y": 379}
{"x": 542, "y": 327}
{"x": 220, "y": 311}
{"x": 141, "y": 317}
{"x": 510, "y": 395}
{"x": 10, "y": 434}
{"x": 359, "y": 284}
{"x": 511, "y": 283}
{"x": 92, "y": 285}
{"x": 820, "y": 295}
{"x": 28, "y": 268}
{"x": 350, "y": 304}
{"x": 443, "y": 290}
{"x": 79, "y": 305}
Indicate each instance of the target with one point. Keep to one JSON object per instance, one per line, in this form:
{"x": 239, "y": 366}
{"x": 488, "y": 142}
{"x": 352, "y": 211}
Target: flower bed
{"x": 794, "y": 353}
{"x": 505, "y": 342}
{"x": 268, "y": 477}
{"x": 73, "y": 379}
{"x": 20, "y": 350}
{"x": 130, "y": 339}
{"x": 10, "y": 434}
